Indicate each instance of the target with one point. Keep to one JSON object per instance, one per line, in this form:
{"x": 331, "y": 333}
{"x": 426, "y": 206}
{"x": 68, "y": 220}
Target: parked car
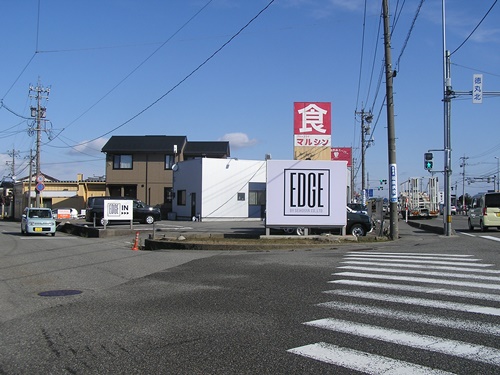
{"x": 141, "y": 211}
{"x": 358, "y": 224}
{"x": 358, "y": 207}
{"x": 38, "y": 220}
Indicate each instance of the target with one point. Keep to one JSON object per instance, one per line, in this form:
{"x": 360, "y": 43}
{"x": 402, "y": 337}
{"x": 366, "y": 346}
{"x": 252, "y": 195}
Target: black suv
{"x": 142, "y": 212}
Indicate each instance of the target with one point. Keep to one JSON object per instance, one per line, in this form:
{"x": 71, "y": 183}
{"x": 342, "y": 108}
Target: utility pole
{"x": 366, "y": 118}
{"x": 391, "y": 133}
{"x": 13, "y": 154}
{"x": 30, "y": 175}
{"x": 498, "y": 171}
{"x": 464, "y": 163}
{"x": 39, "y": 112}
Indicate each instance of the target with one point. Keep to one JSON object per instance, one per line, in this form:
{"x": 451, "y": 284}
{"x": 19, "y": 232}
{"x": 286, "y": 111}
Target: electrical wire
{"x": 475, "y": 28}
{"x": 137, "y": 67}
{"x": 182, "y": 80}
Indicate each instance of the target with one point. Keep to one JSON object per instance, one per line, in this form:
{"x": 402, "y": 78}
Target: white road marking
{"x": 421, "y": 289}
{"x": 491, "y": 238}
{"x": 422, "y": 256}
{"x": 360, "y": 361}
{"x": 357, "y": 253}
{"x": 453, "y": 348}
{"x": 467, "y": 234}
{"x": 486, "y": 310}
{"x": 421, "y": 272}
{"x": 459, "y": 324}
{"x": 446, "y": 263}
{"x": 427, "y": 267}
{"x": 419, "y": 280}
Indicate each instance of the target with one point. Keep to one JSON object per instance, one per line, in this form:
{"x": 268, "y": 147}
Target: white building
{"x": 219, "y": 189}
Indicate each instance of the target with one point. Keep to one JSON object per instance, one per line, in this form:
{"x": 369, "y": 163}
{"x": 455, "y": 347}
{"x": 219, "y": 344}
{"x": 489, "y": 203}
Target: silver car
{"x": 38, "y": 220}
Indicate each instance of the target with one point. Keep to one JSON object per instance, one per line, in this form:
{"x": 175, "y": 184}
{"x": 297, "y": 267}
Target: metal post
{"x": 447, "y": 94}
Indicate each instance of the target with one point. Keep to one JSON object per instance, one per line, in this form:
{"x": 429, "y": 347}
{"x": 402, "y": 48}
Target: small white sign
{"x": 477, "y": 89}
{"x": 117, "y": 209}
{"x": 393, "y": 181}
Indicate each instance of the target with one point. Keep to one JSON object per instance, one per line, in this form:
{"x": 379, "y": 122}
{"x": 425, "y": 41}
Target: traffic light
{"x": 428, "y": 162}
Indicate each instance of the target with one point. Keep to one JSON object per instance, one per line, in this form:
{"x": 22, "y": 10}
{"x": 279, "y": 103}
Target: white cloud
{"x": 238, "y": 140}
{"x": 89, "y": 148}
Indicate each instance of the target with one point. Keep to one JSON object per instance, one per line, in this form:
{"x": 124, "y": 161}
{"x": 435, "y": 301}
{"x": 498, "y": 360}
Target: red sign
{"x": 343, "y": 154}
{"x": 312, "y": 118}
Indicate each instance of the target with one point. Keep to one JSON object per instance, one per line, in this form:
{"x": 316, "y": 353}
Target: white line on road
{"x": 356, "y": 253}
{"x": 419, "y": 280}
{"x": 454, "y": 348}
{"x": 360, "y": 361}
{"x": 423, "y": 256}
{"x": 448, "y": 263}
{"x": 421, "y": 272}
{"x": 491, "y": 238}
{"x": 459, "y": 324}
{"x": 427, "y": 267}
{"x": 421, "y": 289}
{"x": 486, "y": 310}
{"x": 467, "y": 234}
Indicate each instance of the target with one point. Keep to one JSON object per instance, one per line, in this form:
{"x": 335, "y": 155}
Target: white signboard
{"x": 306, "y": 193}
{"x": 393, "y": 181}
{"x": 477, "y": 89}
{"x": 117, "y": 209}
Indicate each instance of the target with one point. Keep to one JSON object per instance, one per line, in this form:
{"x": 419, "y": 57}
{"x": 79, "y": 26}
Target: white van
{"x": 485, "y": 211}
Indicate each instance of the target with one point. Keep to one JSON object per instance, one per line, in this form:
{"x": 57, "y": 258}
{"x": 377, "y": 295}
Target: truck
{"x": 414, "y": 203}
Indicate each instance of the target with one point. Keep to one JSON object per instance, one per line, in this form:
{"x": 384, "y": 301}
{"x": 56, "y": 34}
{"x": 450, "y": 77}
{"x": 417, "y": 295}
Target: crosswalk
{"x": 375, "y": 294}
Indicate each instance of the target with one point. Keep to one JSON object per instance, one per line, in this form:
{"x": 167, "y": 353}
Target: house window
{"x": 122, "y": 161}
{"x": 181, "y": 197}
{"x": 169, "y": 161}
{"x": 241, "y": 196}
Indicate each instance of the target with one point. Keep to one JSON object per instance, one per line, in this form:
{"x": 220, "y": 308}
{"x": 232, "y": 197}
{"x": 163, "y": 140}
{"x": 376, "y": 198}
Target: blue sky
{"x": 124, "y": 67}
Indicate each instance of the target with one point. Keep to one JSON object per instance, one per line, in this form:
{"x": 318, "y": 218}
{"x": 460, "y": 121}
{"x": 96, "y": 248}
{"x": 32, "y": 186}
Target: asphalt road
{"x": 422, "y": 304}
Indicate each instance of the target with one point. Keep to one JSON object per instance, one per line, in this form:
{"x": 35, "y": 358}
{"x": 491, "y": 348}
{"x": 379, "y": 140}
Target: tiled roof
{"x": 144, "y": 143}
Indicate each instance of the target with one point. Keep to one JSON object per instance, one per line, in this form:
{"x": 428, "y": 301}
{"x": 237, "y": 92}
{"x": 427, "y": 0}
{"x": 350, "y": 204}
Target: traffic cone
{"x": 136, "y": 242}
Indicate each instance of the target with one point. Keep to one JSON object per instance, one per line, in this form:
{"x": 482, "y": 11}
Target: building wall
{"x": 148, "y": 175}
{"x": 57, "y": 194}
{"x": 187, "y": 177}
{"x": 216, "y": 183}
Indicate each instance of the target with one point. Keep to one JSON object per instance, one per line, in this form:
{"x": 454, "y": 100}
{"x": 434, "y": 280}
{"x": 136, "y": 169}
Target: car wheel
{"x": 471, "y": 227}
{"x": 53, "y": 234}
{"x": 301, "y": 231}
{"x": 358, "y": 230}
{"x": 289, "y": 230}
{"x": 149, "y": 219}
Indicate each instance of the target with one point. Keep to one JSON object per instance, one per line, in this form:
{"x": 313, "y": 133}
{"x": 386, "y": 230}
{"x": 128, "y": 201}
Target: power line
{"x": 182, "y": 80}
{"x": 475, "y": 28}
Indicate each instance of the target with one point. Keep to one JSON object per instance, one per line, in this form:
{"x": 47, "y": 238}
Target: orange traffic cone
{"x": 136, "y": 242}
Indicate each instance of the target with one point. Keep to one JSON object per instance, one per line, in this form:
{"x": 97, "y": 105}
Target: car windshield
{"x": 44, "y": 214}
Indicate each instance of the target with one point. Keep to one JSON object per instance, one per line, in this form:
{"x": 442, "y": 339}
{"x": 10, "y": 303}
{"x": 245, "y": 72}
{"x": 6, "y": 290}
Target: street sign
{"x": 40, "y": 178}
{"x": 40, "y": 186}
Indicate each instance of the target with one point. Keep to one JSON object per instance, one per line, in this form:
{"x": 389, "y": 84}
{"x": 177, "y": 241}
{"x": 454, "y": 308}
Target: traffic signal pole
{"x": 447, "y": 96}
